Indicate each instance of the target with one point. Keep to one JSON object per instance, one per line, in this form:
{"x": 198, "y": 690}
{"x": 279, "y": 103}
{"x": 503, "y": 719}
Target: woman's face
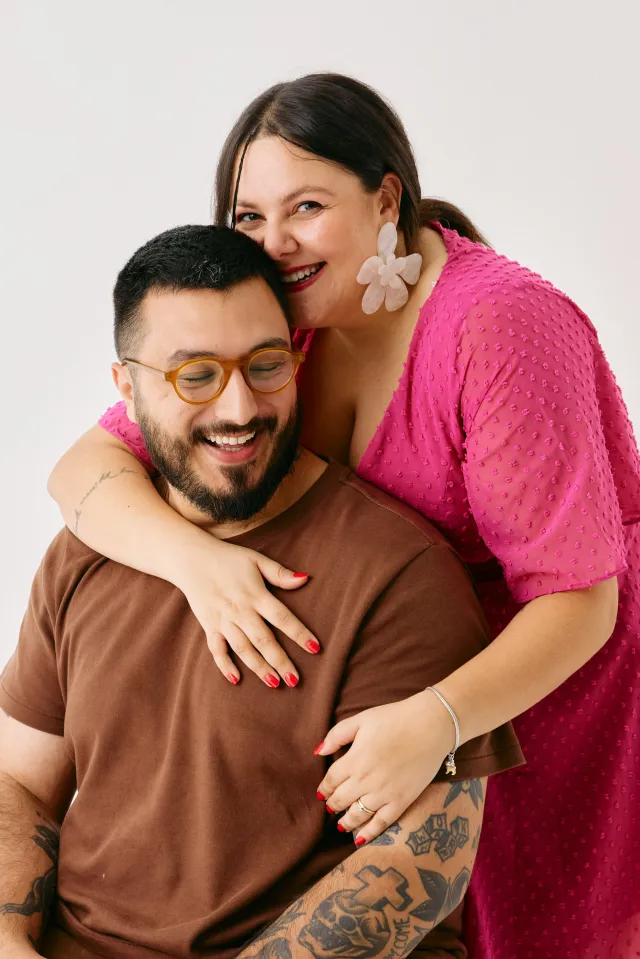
{"x": 317, "y": 222}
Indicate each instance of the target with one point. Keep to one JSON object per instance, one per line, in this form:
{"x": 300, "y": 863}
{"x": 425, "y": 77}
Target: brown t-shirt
{"x": 196, "y": 820}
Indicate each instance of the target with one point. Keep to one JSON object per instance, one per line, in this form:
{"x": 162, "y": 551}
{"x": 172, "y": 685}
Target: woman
{"x": 479, "y": 395}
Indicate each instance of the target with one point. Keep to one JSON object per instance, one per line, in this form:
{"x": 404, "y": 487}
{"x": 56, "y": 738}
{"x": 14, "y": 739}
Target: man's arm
{"x": 383, "y": 899}
{"x": 37, "y": 782}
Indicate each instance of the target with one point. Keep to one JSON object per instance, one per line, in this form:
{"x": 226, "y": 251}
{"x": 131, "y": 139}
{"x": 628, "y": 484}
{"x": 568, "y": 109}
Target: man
{"x": 195, "y": 827}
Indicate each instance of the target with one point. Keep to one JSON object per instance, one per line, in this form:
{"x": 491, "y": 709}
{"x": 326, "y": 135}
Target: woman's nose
{"x": 279, "y": 242}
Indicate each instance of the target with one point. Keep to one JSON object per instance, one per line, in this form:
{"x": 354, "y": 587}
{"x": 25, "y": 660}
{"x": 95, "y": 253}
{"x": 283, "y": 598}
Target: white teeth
{"x": 301, "y": 274}
{"x": 232, "y": 440}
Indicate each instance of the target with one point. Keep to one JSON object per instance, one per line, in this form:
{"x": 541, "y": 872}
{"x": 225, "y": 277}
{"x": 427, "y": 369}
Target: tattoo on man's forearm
{"x": 281, "y": 924}
{"x": 443, "y": 895}
{"x": 476, "y": 839}
{"x": 40, "y": 897}
{"x": 473, "y": 787}
{"x": 105, "y": 476}
{"x": 387, "y": 838}
{"x": 436, "y": 832}
{"x": 342, "y": 925}
{"x": 276, "y": 949}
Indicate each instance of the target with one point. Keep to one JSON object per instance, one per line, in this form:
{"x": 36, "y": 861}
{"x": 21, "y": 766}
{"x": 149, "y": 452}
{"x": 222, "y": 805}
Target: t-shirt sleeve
{"x": 541, "y": 413}
{"x": 30, "y": 688}
{"x": 116, "y": 422}
{"x": 424, "y": 625}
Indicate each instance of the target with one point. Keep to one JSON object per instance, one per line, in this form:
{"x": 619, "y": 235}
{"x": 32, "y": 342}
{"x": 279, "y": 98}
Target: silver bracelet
{"x": 450, "y": 765}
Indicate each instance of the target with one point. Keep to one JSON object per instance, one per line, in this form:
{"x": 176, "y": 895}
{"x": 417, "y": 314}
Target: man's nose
{"x": 279, "y": 241}
{"x": 237, "y": 402}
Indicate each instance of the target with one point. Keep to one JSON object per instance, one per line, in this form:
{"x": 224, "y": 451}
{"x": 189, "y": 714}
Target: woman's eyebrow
{"x": 308, "y": 188}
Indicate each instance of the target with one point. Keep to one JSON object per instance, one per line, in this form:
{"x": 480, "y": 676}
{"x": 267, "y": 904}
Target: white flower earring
{"x": 386, "y": 276}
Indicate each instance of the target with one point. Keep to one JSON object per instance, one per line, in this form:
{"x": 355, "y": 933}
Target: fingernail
{"x": 312, "y": 646}
{"x": 271, "y": 680}
{"x": 233, "y": 679}
{"x": 300, "y": 575}
{"x": 331, "y": 811}
{"x": 320, "y": 796}
{"x": 340, "y": 827}
{"x": 316, "y": 751}
{"x": 360, "y": 841}
{"x": 290, "y": 679}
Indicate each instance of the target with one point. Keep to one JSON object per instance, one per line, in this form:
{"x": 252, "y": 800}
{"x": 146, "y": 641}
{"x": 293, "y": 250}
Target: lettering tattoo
{"x": 105, "y": 476}
{"x": 471, "y": 786}
{"x": 443, "y": 895}
{"x": 352, "y": 922}
{"x": 447, "y": 839}
{"x": 40, "y": 897}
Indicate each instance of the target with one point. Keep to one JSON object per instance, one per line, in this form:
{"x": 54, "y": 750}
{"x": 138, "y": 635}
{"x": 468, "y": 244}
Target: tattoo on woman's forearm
{"x": 40, "y": 897}
{"x": 105, "y": 476}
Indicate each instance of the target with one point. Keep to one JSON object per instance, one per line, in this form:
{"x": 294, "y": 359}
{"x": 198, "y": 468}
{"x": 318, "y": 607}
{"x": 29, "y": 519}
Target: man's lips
{"x": 241, "y": 453}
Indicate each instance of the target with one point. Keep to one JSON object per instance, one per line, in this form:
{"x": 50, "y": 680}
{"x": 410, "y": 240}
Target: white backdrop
{"x": 525, "y": 114}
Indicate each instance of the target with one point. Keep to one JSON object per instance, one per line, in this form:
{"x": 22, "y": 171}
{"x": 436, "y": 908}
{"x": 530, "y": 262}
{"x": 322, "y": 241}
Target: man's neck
{"x": 306, "y": 470}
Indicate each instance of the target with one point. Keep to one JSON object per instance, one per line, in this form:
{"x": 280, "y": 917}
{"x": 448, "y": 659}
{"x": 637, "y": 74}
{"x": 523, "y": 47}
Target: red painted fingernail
{"x": 320, "y": 796}
{"x": 360, "y": 841}
{"x": 271, "y": 680}
{"x": 290, "y": 679}
{"x": 233, "y": 679}
{"x": 331, "y": 811}
{"x": 312, "y": 646}
{"x": 341, "y": 828}
{"x": 300, "y": 575}
{"x": 316, "y": 751}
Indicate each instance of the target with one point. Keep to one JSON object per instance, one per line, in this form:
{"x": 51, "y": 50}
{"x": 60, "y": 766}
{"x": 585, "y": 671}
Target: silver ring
{"x": 361, "y": 806}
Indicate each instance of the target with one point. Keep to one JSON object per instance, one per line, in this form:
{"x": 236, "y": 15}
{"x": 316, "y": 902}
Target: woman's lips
{"x": 304, "y": 283}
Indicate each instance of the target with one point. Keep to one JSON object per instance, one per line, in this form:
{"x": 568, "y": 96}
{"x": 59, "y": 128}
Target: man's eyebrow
{"x": 308, "y": 188}
{"x": 183, "y": 356}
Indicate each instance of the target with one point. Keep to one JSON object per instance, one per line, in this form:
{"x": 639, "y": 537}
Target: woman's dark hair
{"x": 344, "y": 121}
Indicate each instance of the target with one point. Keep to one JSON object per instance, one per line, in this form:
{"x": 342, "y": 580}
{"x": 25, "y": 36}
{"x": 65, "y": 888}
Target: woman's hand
{"x": 228, "y": 596}
{"x": 396, "y": 751}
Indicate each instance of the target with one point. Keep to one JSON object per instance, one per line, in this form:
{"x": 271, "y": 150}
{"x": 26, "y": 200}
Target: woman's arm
{"x": 401, "y": 746}
{"x": 107, "y": 498}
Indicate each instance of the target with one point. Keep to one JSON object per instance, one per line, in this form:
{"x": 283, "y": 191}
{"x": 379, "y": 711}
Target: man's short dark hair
{"x": 187, "y": 258}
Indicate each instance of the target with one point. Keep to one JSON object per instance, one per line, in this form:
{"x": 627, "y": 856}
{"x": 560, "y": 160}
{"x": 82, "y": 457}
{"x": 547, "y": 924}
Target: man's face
{"x": 193, "y": 446}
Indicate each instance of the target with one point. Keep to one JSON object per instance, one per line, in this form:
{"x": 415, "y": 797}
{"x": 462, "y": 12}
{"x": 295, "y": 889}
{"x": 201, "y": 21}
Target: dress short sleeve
{"x": 551, "y": 465}
{"x": 116, "y": 422}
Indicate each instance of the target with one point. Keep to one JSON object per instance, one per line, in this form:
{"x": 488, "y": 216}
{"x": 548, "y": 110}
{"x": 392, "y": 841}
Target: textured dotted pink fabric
{"x": 508, "y": 431}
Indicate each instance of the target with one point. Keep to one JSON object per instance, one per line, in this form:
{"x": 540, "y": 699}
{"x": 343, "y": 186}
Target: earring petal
{"x": 387, "y": 240}
{"x": 397, "y": 294}
{"x": 369, "y": 269}
{"x": 411, "y": 270}
{"x": 373, "y": 297}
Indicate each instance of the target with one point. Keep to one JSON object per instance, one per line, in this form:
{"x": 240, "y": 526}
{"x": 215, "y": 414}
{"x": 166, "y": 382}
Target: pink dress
{"x": 508, "y": 431}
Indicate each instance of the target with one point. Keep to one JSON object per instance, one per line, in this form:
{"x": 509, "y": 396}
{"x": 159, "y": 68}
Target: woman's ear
{"x": 122, "y": 379}
{"x": 390, "y": 195}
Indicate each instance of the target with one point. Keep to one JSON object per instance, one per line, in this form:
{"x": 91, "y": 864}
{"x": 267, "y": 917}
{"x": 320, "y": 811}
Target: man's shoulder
{"x": 65, "y": 562}
{"x": 374, "y": 514}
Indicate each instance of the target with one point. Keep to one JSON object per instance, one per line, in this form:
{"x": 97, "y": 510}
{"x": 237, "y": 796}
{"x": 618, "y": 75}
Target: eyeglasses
{"x": 202, "y": 380}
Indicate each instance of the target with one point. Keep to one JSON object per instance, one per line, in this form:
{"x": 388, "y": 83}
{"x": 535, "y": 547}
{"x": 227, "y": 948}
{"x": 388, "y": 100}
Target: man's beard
{"x": 172, "y": 459}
